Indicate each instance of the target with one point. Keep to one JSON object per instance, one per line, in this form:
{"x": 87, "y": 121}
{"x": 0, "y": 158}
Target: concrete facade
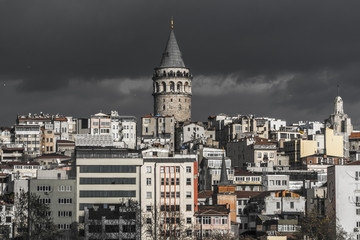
{"x": 106, "y": 175}
{"x": 59, "y": 192}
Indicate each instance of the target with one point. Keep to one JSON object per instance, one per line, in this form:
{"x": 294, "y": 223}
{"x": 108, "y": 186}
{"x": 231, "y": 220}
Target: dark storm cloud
{"x": 275, "y": 58}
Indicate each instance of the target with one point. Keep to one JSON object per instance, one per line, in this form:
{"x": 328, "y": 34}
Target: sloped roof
{"x": 355, "y": 135}
{"x": 247, "y": 194}
{"x": 213, "y": 210}
{"x": 354, "y": 163}
{"x": 172, "y": 55}
{"x": 205, "y": 194}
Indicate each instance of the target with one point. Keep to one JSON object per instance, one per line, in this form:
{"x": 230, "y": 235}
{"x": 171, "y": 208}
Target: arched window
{"x": 164, "y": 73}
{"x": 172, "y": 86}
{"x": 163, "y": 107}
{"x": 179, "y": 86}
{"x": 179, "y": 106}
{"x": 186, "y": 86}
{"x": 157, "y": 88}
{"x": 163, "y": 86}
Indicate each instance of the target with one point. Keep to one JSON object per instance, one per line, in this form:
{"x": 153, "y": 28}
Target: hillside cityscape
{"x": 163, "y": 176}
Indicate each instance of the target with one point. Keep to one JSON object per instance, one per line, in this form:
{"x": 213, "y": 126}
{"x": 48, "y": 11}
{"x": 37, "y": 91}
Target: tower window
{"x": 172, "y": 86}
{"x": 163, "y": 107}
{"x": 171, "y": 100}
{"x": 179, "y": 99}
{"x": 179, "y": 107}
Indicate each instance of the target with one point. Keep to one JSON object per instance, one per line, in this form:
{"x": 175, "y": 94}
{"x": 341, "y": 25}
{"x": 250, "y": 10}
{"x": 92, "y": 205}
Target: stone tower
{"x": 341, "y": 123}
{"x": 172, "y": 83}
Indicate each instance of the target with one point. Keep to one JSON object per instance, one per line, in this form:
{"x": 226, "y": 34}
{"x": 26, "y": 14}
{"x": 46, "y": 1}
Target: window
{"x": 358, "y": 211}
{"x": 206, "y": 220}
{"x": 148, "y": 181}
{"x": 284, "y": 182}
{"x": 188, "y": 232}
{"x": 278, "y": 205}
{"x": 188, "y": 169}
{"x": 188, "y": 194}
{"x": 162, "y": 181}
{"x": 148, "y": 195}
{"x": 148, "y": 169}
{"x": 8, "y": 219}
{"x": 148, "y": 220}
{"x": 172, "y": 181}
{"x": 291, "y": 205}
{"x": 188, "y": 181}
{"x": 103, "y": 193}
{"x": 65, "y": 200}
{"x": 44, "y": 188}
{"x": 64, "y": 213}
{"x": 63, "y": 188}
{"x": 177, "y": 181}
{"x": 188, "y": 220}
{"x": 148, "y": 208}
{"x": 188, "y": 207}
{"x": 44, "y": 200}
{"x": 259, "y": 154}
{"x": 177, "y": 169}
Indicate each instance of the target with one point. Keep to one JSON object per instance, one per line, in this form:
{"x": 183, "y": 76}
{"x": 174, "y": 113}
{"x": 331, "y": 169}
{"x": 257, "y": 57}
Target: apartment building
{"x": 169, "y": 195}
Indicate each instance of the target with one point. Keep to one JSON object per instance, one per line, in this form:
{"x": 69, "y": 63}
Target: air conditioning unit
{"x": 356, "y": 229}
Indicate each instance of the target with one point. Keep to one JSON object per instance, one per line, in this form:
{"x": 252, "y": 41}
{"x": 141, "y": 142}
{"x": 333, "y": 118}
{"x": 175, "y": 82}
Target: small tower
{"x": 224, "y": 191}
{"x": 172, "y": 83}
{"x": 338, "y": 105}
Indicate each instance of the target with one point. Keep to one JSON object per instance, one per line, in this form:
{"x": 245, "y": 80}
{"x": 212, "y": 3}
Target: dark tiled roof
{"x": 172, "y": 55}
{"x": 240, "y": 172}
{"x": 354, "y": 163}
{"x": 355, "y": 135}
{"x": 205, "y": 194}
{"x": 247, "y": 194}
{"x": 49, "y": 156}
{"x": 65, "y": 141}
{"x": 212, "y": 210}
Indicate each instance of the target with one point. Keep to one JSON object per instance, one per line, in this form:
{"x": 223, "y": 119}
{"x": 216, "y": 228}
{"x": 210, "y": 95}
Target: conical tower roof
{"x": 172, "y": 55}
{"x": 223, "y": 177}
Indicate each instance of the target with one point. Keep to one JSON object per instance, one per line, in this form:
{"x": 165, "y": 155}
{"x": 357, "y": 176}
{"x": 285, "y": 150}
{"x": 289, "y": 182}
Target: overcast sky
{"x": 280, "y": 59}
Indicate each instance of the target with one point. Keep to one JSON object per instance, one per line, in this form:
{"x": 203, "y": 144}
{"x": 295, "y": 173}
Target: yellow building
{"x": 333, "y": 143}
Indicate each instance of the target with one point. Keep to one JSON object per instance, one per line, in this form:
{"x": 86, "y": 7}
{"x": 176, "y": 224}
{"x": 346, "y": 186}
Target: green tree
{"x": 32, "y": 218}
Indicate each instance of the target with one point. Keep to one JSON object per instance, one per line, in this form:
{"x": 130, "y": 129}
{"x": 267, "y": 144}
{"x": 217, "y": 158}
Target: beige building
{"x": 334, "y": 143}
{"x": 297, "y": 149}
{"x": 158, "y": 131}
{"x": 341, "y": 124}
{"x": 252, "y": 151}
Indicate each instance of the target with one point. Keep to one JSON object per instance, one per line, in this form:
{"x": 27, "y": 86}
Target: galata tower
{"x": 172, "y": 83}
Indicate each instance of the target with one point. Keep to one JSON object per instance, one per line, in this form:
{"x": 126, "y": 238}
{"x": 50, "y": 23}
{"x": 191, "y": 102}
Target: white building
{"x": 169, "y": 192}
{"x": 106, "y": 175}
{"x": 275, "y": 182}
{"x": 343, "y": 201}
